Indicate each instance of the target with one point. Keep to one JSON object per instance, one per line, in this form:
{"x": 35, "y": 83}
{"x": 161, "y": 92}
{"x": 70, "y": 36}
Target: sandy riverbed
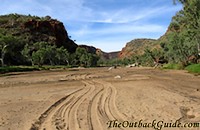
{"x": 87, "y": 99}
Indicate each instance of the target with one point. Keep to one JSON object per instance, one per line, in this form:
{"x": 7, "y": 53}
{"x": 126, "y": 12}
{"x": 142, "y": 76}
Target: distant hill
{"x": 103, "y": 55}
{"x": 107, "y": 55}
{"x": 137, "y": 47}
{"x": 179, "y": 45}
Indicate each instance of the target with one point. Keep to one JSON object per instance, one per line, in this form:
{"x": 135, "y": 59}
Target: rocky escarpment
{"x": 137, "y": 47}
{"x": 103, "y": 55}
{"x": 107, "y": 55}
{"x": 35, "y": 29}
{"x": 89, "y": 49}
{"x": 51, "y": 31}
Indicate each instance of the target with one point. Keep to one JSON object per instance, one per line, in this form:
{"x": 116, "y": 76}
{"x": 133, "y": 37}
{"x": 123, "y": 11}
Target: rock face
{"x": 100, "y": 53}
{"x": 89, "y": 49}
{"x": 51, "y": 31}
{"x": 136, "y": 47}
{"x": 35, "y": 29}
{"x": 107, "y": 56}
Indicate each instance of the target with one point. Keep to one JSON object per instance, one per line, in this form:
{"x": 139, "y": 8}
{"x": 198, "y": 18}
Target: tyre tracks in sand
{"x": 88, "y": 108}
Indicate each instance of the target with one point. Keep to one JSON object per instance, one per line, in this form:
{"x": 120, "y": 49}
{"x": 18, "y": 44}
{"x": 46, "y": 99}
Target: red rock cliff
{"x": 51, "y": 31}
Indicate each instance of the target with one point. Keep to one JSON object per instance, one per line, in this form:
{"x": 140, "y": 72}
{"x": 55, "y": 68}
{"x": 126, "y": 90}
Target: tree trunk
{"x": 67, "y": 62}
{"x": 2, "y": 64}
{"x": 32, "y": 63}
{"x": 2, "y": 59}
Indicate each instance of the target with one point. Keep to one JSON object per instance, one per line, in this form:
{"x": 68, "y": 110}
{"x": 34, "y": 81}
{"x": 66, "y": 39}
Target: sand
{"x": 98, "y": 98}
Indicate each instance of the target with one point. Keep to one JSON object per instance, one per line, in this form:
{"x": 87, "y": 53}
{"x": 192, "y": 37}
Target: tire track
{"x": 43, "y": 116}
{"x": 66, "y": 110}
{"x": 60, "y": 122}
{"x": 94, "y": 116}
{"x": 89, "y": 108}
{"x": 69, "y": 112}
{"x": 73, "y": 119}
{"x": 108, "y": 107}
{"x": 111, "y": 101}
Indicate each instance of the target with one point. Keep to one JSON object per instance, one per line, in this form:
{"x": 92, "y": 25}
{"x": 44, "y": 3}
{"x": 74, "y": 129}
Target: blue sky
{"x": 105, "y": 24}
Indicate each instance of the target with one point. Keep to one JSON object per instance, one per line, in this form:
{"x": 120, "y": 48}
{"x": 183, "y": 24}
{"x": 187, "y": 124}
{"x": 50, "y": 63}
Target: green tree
{"x": 180, "y": 48}
{"x": 184, "y": 38}
{"x": 62, "y": 55}
{"x": 36, "y": 53}
{"x": 43, "y": 53}
{"x": 50, "y": 54}
{"x": 38, "y": 57}
{"x": 92, "y": 59}
{"x": 82, "y": 56}
{"x": 26, "y": 52}
{"x": 10, "y": 48}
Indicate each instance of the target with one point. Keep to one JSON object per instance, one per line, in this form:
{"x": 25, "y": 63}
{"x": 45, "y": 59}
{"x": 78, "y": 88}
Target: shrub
{"x": 194, "y": 68}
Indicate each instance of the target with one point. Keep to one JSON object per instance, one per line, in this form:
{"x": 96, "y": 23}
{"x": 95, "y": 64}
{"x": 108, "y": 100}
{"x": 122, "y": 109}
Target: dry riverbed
{"x": 98, "y": 98}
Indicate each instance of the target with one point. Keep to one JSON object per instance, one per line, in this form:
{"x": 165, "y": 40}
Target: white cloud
{"x": 62, "y": 9}
{"x": 120, "y": 29}
{"x": 125, "y": 15}
{"x": 78, "y": 10}
{"x": 121, "y": 23}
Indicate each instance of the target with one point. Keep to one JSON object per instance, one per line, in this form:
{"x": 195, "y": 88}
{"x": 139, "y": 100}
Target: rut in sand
{"x": 89, "y": 108}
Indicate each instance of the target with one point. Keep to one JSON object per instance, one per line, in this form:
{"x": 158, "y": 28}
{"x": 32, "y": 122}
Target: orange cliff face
{"x": 124, "y": 53}
{"x": 135, "y": 47}
{"x": 51, "y": 31}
